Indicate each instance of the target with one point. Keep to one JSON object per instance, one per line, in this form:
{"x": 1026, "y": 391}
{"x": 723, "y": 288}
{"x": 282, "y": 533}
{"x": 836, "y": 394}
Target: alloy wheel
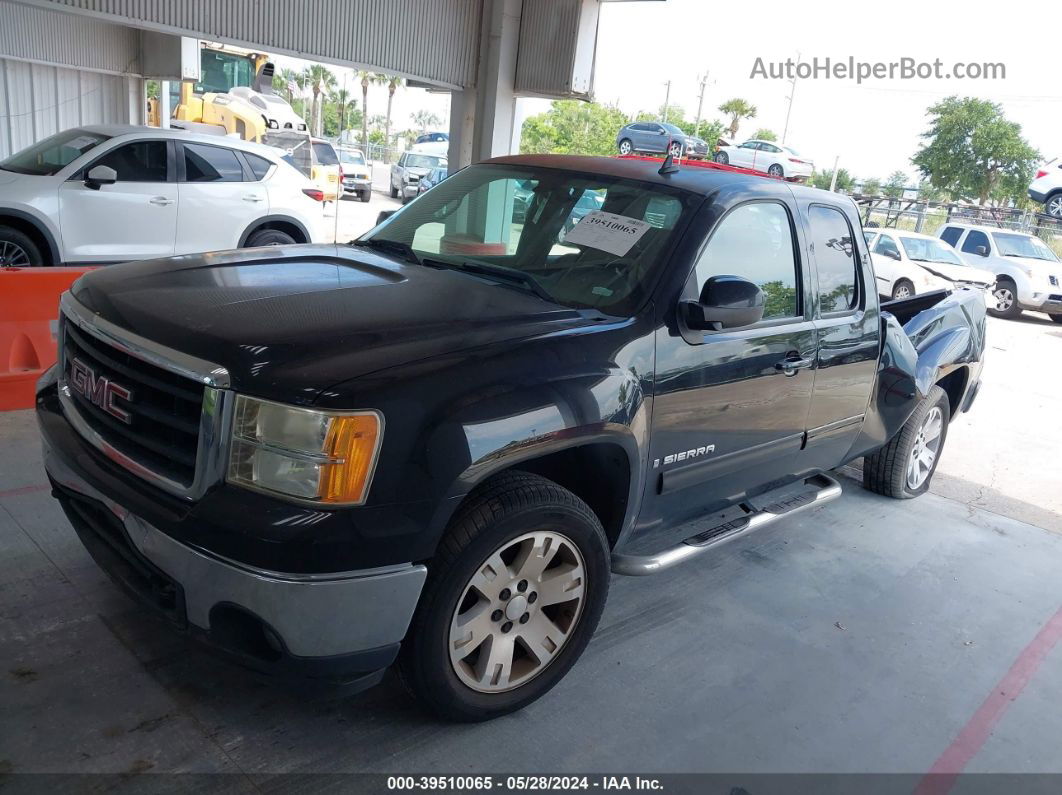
{"x": 625, "y": 147}
{"x": 13, "y": 255}
{"x": 901, "y": 292}
{"x": 517, "y": 612}
{"x": 926, "y": 447}
{"x": 1004, "y": 298}
{"x": 775, "y": 170}
{"x": 1054, "y": 207}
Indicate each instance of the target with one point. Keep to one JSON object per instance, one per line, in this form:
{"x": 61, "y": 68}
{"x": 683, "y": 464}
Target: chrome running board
{"x": 822, "y": 489}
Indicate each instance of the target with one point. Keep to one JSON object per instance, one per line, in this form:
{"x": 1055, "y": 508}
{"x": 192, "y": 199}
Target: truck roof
{"x": 700, "y": 177}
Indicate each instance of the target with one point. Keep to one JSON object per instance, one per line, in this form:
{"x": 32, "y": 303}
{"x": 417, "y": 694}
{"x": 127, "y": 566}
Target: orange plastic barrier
{"x": 29, "y": 316}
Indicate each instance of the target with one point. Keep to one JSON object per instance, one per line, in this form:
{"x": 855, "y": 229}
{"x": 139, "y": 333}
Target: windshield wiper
{"x": 497, "y": 271}
{"x": 403, "y": 250}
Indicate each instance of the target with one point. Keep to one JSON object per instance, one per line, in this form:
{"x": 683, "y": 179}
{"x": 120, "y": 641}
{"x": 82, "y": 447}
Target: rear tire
{"x": 1055, "y": 318}
{"x": 776, "y": 171}
{"x": 891, "y": 470}
{"x": 1006, "y": 300}
{"x": 517, "y": 512}
{"x": 903, "y": 289}
{"x": 1053, "y": 205}
{"x": 365, "y": 196}
{"x": 17, "y": 250}
{"x": 269, "y": 237}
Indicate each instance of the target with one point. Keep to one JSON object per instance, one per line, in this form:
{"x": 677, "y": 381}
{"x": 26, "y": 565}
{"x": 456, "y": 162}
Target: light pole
{"x": 833, "y": 179}
{"x": 700, "y": 105}
{"x": 792, "y": 92}
{"x": 667, "y": 99}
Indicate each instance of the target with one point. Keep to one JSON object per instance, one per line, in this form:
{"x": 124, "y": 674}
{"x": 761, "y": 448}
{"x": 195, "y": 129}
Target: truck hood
{"x": 1037, "y": 267}
{"x": 287, "y": 322}
{"x": 960, "y": 273}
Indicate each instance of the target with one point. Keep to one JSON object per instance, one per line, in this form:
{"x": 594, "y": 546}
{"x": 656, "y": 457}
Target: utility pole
{"x": 833, "y": 179}
{"x": 667, "y": 99}
{"x": 792, "y": 91}
{"x": 700, "y": 105}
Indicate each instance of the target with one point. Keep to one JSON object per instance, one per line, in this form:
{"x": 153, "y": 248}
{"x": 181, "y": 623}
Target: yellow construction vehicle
{"x": 234, "y": 95}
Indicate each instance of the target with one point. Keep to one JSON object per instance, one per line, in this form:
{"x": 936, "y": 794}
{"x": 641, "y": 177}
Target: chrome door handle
{"x": 161, "y": 201}
{"x": 791, "y": 364}
{"x": 250, "y": 197}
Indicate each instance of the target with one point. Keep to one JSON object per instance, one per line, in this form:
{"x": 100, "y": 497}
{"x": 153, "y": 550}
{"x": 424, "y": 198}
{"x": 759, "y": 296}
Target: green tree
{"x": 972, "y": 150}
{"x": 343, "y": 102}
{"x": 737, "y": 109}
{"x": 320, "y": 79}
{"x": 288, "y": 78}
{"x": 823, "y": 179}
{"x": 424, "y": 120}
{"x": 672, "y": 114}
{"x": 393, "y": 84}
{"x": 895, "y": 184}
{"x": 871, "y": 187}
{"x": 926, "y": 192}
{"x": 572, "y": 127}
{"x": 367, "y": 78}
{"x": 763, "y": 134}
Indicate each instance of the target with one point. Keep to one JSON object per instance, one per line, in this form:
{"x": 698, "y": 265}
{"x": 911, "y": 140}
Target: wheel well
{"x": 287, "y": 227}
{"x": 954, "y": 384}
{"x": 33, "y": 232}
{"x": 599, "y": 474}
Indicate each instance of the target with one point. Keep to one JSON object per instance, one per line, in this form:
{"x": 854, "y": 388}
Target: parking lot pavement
{"x": 868, "y": 635}
{"x": 350, "y": 218}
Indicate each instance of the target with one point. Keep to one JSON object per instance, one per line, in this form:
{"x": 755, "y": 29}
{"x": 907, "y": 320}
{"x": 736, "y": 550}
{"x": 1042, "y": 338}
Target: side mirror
{"x": 725, "y": 302}
{"x": 981, "y": 251}
{"x": 99, "y": 176}
{"x": 893, "y": 255}
{"x": 384, "y": 215}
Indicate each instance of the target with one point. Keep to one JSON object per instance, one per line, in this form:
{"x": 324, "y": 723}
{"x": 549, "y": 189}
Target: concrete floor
{"x": 870, "y": 635}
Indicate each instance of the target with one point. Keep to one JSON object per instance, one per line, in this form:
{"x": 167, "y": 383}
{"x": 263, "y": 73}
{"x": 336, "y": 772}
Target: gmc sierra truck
{"x": 433, "y": 446}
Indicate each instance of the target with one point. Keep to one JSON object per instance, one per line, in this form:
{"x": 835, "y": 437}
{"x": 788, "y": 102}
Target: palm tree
{"x": 320, "y": 79}
{"x": 737, "y": 109}
{"x": 342, "y": 98}
{"x": 393, "y": 84}
{"x": 367, "y": 78}
{"x": 425, "y": 119}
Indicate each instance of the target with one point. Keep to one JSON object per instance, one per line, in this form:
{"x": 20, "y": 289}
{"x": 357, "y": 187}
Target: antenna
{"x": 668, "y": 166}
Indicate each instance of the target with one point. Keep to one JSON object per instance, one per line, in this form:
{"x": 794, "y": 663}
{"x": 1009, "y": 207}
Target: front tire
{"x": 626, "y": 147}
{"x": 723, "y": 158}
{"x": 513, "y": 595}
{"x": 1055, "y": 318}
{"x": 17, "y": 250}
{"x": 394, "y": 191}
{"x": 1006, "y": 300}
{"x": 902, "y": 290}
{"x": 269, "y": 237}
{"x": 675, "y": 150}
{"x": 904, "y": 467}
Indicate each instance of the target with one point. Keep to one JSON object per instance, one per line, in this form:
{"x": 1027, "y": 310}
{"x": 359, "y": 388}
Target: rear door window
{"x": 324, "y": 154}
{"x": 211, "y": 164}
{"x": 259, "y": 165}
{"x": 951, "y": 235}
{"x": 835, "y": 259}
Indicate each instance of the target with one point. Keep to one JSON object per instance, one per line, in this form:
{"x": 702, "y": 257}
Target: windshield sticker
{"x": 609, "y": 232}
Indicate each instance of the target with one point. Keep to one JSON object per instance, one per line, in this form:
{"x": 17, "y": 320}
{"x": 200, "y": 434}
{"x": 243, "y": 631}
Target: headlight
{"x": 321, "y": 456}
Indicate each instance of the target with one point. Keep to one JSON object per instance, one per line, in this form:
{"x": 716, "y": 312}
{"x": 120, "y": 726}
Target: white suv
{"x": 1028, "y": 273}
{"x": 114, "y": 193}
{"x": 1047, "y": 187}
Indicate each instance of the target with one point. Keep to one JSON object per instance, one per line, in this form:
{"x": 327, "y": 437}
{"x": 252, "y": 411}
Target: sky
{"x": 873, "y": 127}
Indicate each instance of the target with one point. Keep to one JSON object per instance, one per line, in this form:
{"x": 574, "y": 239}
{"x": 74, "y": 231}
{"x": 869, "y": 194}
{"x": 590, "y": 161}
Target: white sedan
{"x": 908, "y": 264}
{"x": 772, "y": 158}
{"x": 112, "y": 193}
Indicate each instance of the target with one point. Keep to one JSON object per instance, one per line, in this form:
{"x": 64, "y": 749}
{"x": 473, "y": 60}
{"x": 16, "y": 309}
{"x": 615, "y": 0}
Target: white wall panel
{"x": 37, "y": 101}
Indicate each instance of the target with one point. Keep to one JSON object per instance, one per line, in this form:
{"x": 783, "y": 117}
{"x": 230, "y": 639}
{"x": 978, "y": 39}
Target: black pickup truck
{"x": 432, "y": 446}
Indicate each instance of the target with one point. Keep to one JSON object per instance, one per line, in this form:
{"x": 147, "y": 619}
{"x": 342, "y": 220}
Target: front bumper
{"x": 410, "y": 190}
{"x": 340, "y": 628}
{"x": 353, "y": 186}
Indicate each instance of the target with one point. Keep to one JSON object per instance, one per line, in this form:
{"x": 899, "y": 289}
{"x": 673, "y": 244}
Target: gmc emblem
{"x": 99, "y": 390}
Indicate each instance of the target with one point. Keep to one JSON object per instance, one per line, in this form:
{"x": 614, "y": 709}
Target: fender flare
{"x": 40, "y": 226}
{"x": 267, "y": 219}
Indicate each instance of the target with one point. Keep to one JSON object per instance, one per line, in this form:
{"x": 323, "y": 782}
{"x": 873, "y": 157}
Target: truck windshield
{"x": 53, "y": 154}
{"x": 1011, "y": 245}
{"x": 584, "y": 240}
{"x": 222, "y": 71}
